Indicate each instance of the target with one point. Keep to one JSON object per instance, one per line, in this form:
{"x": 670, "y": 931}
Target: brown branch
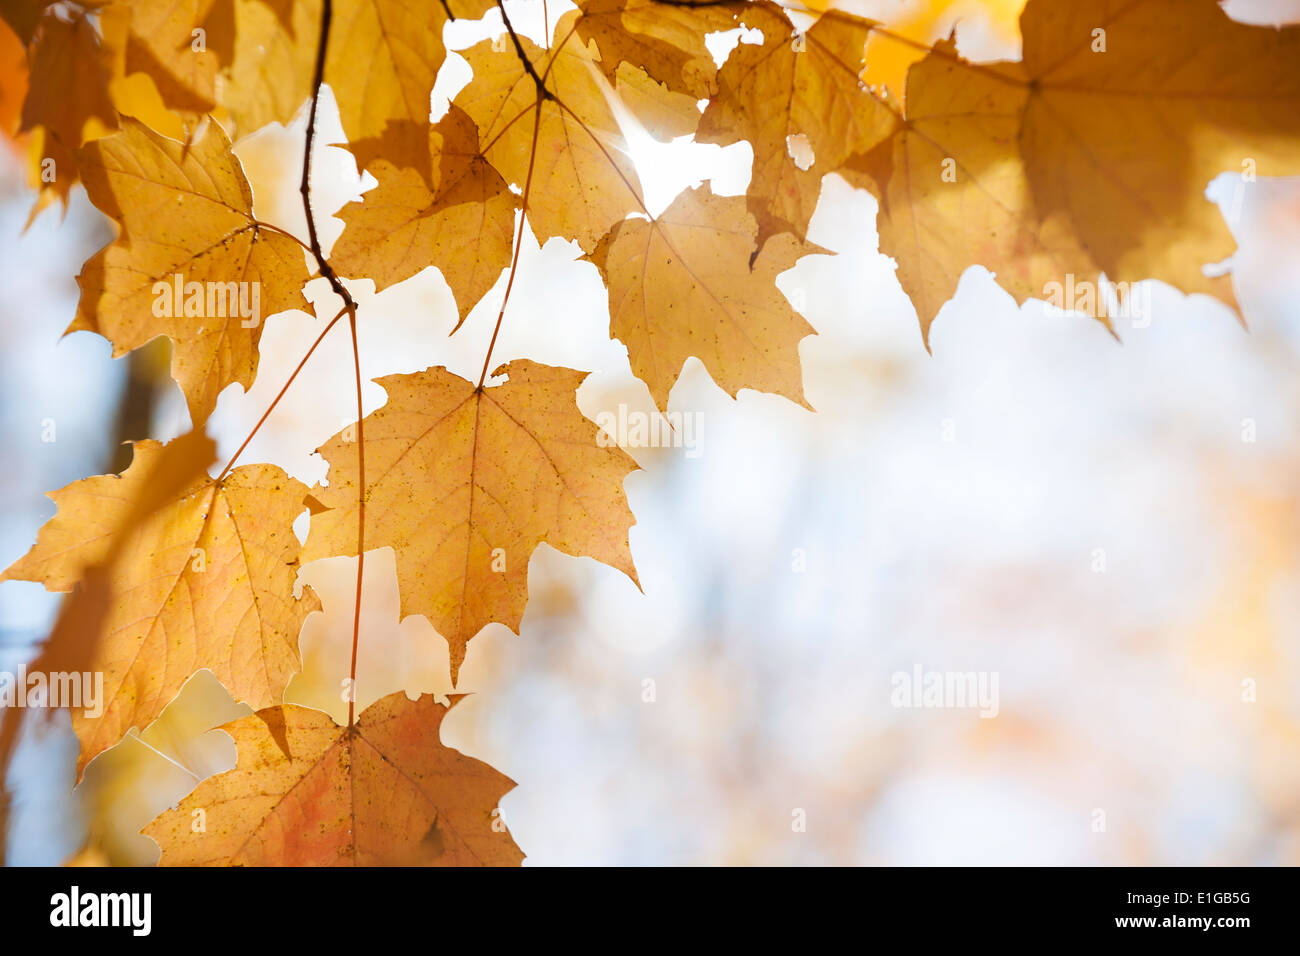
{"x": 542, "y": 91}
{"x": 350, "y": 307}
{"x": 318, "y": 78}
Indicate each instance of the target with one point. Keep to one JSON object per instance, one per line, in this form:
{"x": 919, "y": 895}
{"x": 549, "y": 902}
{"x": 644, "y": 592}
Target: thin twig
{"x": 304, "y": 187}
{"x": 276, "y": 401}
{"x": 542, "y": 91}
{"x": 350, "y": 307}
{"x": 361, "y": 523}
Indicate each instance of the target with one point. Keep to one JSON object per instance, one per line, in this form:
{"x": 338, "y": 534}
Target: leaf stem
{"x": 519, "y": 240}
{"x": 361, "y": 522}
{"x": 276, "y": 401}
{"x": 350, "y": 307}
{"x": 559, "y": 47}
{"x": 259, "y": 224}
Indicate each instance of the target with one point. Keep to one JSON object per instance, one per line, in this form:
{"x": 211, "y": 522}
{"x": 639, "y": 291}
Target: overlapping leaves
{"x": 1089, "y": 155}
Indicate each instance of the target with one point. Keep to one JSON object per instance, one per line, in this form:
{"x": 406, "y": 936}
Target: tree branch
{"x": 327, "y": 13}
{"x": 542, "y": 91}
{"x": 350, "y": 307}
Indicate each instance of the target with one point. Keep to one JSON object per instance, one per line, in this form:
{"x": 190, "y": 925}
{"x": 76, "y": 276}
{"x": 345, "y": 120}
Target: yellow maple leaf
{"x": 382, "y": 61}
{"x": 457, "y": 213}
{"x": 562, "y": 144}
{"x": 67, "y": 100}
{"x": 692, "y": 282}
{"x": 179, "y": 44}
{"x": 665, "y": 41}
{"x": 308, "y": 792}
{"x": 270, "y": 74}
{"x": 1090, "y": 156}
{"x": 795, "y": 90}
{"x": 191, "y": 263}
{"x": 202, "y": 578}
{"x": 464, "y": 483}
{"x": 916, "y": 24}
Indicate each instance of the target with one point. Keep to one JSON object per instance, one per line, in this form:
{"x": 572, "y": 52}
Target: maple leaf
{"x": 682, "y": 284}
{"x": 654, "y": 55}
{"x": 659, "y": 111}
{"x": 67, "y": 98}
{"x": 204, "y": 581}
{"x": 270, "y": 74}
{"x": 1088, "y": 156}
{"x": 665, "y": 41}
{"x": 179, "y": 44}
{"x": 935, "y": 227}
{"x": 464, "y": 483}
{"x": 1092, "y": 155}
{"x": 24, "y": 16}
{"x": 184, "y": 212}
{"x": 74, "y": 640}
{"x": 917, "y": 25}
{"x": 13, "y": 81}
{"x": 457, "y": 214}
{"x": 308, "y": 792}
{"x": 795, "y": 87}
{"x": 561, "y": 145}
{"x": 382, "y": 63}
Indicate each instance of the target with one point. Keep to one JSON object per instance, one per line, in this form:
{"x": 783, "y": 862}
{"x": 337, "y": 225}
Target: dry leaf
{"x": 180, "y": 45}
{"x": 307, "y": 792}
{"x": 456, "y": 214}
{"x": 184, "y": 213}
{"x": 67, "y": 99}
{"x": 465, "y": 483}
{"x": 936, "y": 223}
{"x": 682, "y": 285}
{"x": 382, "y": 62}
{"x": 667, "y": 42}
{"x": 269, "y": 78}
{"x": 796, "y": 88}
{"x": 206, "y": 580}
{"x": 581, "y": 179}
{"x": 1092, "y": 155}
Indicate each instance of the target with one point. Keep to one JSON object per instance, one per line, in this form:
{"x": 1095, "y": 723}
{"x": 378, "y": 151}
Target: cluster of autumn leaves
{"x": 1088, "y": 156}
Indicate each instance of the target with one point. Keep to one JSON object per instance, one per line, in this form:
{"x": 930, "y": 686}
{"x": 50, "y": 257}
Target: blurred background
{"x": 1112, "y": 529}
